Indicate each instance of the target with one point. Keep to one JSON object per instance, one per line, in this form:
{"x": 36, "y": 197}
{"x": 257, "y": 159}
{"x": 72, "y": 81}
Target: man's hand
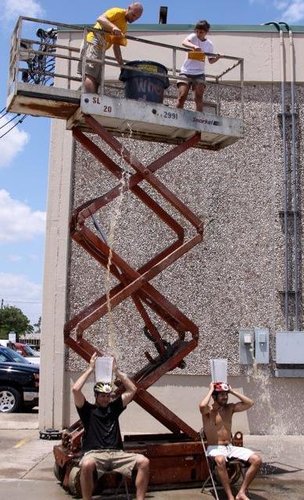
{"x": 115, "y": 367}
{"x": 116, "y": 31}
{"x": 93, "y": 360}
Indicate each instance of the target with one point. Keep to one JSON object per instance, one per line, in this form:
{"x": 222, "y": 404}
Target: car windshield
{"x": 29, "y": 351}
{"x": 9, "y": 355}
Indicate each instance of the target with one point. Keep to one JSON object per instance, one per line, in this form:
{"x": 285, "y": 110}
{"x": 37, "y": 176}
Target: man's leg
{"x": 223, "y": 475}
{"x": 90, "y": 85}
{"x": 183, "y": 90}
{"x": 142, "y": 476}
{"x": 92, "y": 69}
{"x": 255, "y": 463}
{"x": 199, "y": 90}
{"x": 87, "y": 471}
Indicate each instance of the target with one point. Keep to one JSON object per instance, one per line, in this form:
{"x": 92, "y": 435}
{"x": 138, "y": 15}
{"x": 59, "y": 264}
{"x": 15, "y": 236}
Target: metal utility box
{"x": 246, "y": 346}
{"x": 261, "y": 337}
{"x": 290, "y": 348}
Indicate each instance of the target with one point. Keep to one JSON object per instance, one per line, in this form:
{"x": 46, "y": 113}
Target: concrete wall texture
{"x": 232, "y": 280}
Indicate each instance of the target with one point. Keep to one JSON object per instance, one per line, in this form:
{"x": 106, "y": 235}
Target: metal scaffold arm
{"x": 135, "y": 283}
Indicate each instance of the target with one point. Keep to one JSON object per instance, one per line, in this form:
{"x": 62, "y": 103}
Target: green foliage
{"x": 12, "y": 319}
{"x": 37, "y": 326}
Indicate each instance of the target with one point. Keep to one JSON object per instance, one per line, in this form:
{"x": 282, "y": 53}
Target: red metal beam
{"x": 135, "y": 283}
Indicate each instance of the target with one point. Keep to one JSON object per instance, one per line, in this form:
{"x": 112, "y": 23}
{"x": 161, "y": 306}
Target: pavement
{"x": 26, "y": 466}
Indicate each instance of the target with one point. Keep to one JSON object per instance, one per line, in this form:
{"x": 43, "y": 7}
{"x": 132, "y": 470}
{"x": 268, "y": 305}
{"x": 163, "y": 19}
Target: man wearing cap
{"x": 217, "y": 424}
{"x": 102, "y": 442}
{"x": 113, "y": 24}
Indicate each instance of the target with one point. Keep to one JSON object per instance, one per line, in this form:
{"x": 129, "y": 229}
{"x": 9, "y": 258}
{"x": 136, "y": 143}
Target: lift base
{"x": 175, "y": 462}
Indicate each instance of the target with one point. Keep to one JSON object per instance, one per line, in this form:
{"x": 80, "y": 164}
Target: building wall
{"x": 231, "y": 280}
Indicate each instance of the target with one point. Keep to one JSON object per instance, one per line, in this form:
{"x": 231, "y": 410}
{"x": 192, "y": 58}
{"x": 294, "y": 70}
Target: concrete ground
{"x": 26, "y": 466}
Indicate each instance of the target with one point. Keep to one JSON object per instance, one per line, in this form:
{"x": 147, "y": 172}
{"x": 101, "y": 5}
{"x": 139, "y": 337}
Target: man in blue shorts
{"x": 193, "y": 68}
{"x": 217, "y": 424}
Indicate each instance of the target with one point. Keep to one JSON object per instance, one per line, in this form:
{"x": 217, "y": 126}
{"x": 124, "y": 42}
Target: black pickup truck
{"x": 19, "y": 381}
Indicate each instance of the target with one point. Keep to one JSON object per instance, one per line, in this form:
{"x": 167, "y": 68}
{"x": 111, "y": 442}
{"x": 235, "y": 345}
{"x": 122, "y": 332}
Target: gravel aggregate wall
{"x": 234, "y": 278}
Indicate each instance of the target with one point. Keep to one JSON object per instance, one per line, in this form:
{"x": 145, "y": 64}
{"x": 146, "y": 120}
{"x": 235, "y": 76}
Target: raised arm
{"x": 204, "y": 404}
{"x": 244, "y": 404}
{"x": 130, "y": 387}
{"x": 77, "y": 387}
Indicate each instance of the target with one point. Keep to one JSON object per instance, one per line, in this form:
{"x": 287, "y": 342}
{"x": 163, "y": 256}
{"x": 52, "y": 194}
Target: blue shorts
{"x": 192, "y": 80}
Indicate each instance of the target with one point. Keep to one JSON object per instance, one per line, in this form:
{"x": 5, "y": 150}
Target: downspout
{"x": 283, "y": 113}
{"x": 294, "y": 175}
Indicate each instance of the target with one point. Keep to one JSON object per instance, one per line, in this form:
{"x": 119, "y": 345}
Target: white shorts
{"x": 229, "y": 451}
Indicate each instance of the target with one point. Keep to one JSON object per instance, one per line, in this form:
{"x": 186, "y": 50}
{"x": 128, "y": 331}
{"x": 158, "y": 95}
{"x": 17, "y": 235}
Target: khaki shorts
{"x": 112, "y": 460}
{"x": 192, "y": 80}
{"x": 91, "y": 68}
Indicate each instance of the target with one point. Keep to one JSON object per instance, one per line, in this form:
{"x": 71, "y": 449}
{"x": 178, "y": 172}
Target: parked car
{"x": 35, "y": 347}
{"x": 26, "y": 351}
{"x": 19, "y": 381}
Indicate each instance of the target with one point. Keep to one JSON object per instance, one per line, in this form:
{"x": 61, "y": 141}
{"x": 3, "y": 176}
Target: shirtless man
{"x": 217, "y": 423}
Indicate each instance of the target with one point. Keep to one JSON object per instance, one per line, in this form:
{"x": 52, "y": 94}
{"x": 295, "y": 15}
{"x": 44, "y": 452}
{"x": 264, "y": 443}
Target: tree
{"x": 37, "y": 325}
{"x": 13, "y": 319}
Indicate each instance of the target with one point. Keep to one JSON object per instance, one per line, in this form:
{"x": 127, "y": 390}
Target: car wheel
{"x": 10, "y": 399}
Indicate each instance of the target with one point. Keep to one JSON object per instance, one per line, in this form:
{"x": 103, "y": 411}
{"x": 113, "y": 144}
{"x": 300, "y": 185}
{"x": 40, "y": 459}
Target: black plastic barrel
{"x": 148, "y": 84}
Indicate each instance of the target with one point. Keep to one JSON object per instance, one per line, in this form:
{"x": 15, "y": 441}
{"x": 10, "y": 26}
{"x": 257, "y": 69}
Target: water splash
{"x": 278, "y": 425}
{"x": 116, "y": 213}
{"x": 111, "y": 347}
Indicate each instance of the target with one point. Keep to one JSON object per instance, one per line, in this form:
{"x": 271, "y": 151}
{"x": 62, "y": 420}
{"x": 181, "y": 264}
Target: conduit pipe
{"x": 294, "y": 169}
{"x": 285, "y": 162}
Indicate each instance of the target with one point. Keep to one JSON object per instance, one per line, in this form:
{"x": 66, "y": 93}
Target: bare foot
{"x": 241, "y": 496}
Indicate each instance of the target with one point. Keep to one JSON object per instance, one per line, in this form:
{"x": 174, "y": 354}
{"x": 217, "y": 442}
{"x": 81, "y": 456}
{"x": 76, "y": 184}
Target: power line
{"x": 2, "y": 116}
{"x": 19, "y": 302}
{"x": 9, "y": 121}
{"x": 15, "y": 125}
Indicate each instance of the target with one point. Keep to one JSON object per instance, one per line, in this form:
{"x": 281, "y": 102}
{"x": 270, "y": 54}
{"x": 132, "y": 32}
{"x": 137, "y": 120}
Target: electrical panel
{"x": 261, "y": 337}
{"x": 246, "y": 345}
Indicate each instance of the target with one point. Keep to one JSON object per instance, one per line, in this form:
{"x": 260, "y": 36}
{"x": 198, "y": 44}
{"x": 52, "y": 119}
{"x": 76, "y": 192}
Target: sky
{"x": 24, "y": 150}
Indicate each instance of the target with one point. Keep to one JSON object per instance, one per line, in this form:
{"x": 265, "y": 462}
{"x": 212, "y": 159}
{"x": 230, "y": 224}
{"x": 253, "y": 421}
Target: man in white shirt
{"x": 193, "y": 68}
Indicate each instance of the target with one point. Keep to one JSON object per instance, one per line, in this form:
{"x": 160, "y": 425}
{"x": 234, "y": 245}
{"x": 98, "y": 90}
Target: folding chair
{"x": 235, "y": 467}
{"x": 210, "y": 471}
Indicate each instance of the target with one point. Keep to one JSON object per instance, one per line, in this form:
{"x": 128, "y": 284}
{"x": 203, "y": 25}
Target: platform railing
{"x": 47, "y": 53}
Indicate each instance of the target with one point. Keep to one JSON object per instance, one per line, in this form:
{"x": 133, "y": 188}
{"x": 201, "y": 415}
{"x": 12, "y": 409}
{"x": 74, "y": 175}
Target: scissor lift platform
{"x": 144, "y": 120}
{"x": 43, "y": 82}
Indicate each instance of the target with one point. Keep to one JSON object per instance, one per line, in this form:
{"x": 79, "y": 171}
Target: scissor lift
{"x": 175, "y": 457}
